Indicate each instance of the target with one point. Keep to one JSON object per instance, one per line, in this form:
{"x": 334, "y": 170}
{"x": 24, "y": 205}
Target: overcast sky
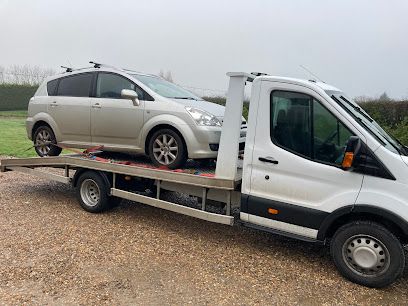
{"x": 358, "y": 46}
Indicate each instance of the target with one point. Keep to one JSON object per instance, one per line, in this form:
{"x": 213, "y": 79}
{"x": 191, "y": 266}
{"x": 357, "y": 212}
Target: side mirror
{"x": 131, "y": 95}
{"x": 353, "y": 147}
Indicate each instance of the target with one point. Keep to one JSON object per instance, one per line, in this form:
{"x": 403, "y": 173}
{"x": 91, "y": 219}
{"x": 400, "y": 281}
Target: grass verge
{"x": 13, "y": 137}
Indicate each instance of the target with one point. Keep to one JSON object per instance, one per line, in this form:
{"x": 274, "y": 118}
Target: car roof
{"x": 93, "y": 69}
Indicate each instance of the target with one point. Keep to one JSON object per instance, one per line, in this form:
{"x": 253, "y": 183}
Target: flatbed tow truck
{"x": 356, "y": 200}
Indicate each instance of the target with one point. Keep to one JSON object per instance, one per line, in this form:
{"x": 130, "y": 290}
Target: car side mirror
{"x": 131, "y": 95}
{"x": 353, "y": 147}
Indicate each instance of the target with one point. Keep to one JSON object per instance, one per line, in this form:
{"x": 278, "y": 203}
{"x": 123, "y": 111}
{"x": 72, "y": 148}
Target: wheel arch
{"x": 37, "y": 125}
{"x": 45, "y": 119}
{"x": 159, "y": 127}
{"x": 346, "y": 214}
{"x": 81, "y": 171}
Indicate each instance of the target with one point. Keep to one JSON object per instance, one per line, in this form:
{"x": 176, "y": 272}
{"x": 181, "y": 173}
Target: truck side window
{"x": 301, "y": 125}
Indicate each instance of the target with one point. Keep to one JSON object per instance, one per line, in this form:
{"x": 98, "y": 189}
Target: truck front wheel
{"x": 367, "y": 253}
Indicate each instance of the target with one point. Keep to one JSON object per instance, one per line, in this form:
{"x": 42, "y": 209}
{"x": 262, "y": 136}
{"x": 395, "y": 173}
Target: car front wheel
{"x": 166, "y": 148}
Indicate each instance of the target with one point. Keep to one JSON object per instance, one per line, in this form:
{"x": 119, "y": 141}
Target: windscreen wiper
{"x": 357, "y": 109}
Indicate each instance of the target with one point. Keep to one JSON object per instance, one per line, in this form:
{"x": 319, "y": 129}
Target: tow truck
{"x": 315, "y": 167}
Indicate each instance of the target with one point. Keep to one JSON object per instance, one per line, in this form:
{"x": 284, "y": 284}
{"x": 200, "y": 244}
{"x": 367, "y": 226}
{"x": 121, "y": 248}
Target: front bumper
{"x": 29, "y": 127}
{"x": 204, "y": 142}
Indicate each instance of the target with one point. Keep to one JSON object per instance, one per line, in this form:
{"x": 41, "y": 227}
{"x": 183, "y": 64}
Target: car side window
{"x": 51, "y": 87}
{"x": 78, "y": 85}
{"x": 110, "y": 85}
{"x": 301, "y": 125}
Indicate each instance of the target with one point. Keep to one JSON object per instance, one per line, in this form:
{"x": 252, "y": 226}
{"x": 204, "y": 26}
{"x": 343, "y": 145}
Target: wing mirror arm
{"x": 353, "y": 148}
{"x": 130, "y": 95}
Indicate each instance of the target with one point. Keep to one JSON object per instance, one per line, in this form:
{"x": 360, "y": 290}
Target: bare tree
{"x": 2, "y": 75}
{"x": 24, "y": 74}
{"x": 167, "y": 76}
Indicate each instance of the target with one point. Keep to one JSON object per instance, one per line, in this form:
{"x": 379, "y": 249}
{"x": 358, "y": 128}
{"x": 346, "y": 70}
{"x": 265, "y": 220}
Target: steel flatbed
{"x": 194, "y": 179}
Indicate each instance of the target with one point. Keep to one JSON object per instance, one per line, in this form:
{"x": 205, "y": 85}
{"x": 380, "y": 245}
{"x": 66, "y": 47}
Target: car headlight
{"x": 202, "y": 117}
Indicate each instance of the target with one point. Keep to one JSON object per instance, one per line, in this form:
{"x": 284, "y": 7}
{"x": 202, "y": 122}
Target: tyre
{"x": 93, "y": 192}
{"x": 167, "y": 148}
{"x": 367, "y": 253}
{"x": 45, "y": 142}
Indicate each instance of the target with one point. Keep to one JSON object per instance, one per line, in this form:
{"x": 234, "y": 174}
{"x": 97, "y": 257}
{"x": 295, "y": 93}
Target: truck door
{"x": 296, "y": 179}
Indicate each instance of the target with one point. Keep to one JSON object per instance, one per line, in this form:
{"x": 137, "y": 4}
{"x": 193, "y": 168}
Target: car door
{"x": 296, "y": 178}
{"x": 70, "y": 108}
{"x": 116, "y": 122}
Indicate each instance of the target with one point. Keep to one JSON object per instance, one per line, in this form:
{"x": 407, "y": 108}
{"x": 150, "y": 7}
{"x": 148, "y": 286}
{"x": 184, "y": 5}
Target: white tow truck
{"x": 316, "y": 167}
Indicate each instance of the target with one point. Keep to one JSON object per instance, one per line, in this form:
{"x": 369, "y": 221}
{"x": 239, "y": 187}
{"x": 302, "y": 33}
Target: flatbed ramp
{"x": 193, "y": 179}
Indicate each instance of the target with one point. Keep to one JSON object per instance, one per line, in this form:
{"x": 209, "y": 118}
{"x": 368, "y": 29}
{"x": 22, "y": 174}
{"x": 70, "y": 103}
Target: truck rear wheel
{"x": 93, "y": 193}
{"x": 368, "y": 254}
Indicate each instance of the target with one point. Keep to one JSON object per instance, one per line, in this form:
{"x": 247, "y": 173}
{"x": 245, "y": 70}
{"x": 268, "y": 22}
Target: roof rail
{"x": 259, "y": 73}
{"x": 99, "y": 65}
{"x": 67, "y": 69}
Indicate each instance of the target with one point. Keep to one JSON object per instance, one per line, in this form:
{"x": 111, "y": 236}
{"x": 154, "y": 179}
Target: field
{"x": 13, "y": 136}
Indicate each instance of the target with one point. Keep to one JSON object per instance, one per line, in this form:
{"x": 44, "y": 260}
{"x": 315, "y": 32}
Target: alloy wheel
{"x": 43, "y": 142}
{"x": 165, "y": 149}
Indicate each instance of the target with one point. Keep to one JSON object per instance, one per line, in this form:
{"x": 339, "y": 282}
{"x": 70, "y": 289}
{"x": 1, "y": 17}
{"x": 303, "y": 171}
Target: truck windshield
{"x": 368, "y": 123}
{"x": 165, "y": 88}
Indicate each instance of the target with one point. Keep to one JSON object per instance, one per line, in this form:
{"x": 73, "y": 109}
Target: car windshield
{"x": 165, "y": 88}
{"x": 368, "y": 123}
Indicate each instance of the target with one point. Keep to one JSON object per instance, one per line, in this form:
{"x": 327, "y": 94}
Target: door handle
{"x": 96, "y": 105}
{"x": 54, "y": 103}
{"x": 268, "y": 159}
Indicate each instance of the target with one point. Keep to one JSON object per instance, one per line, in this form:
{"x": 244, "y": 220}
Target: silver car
{"x": 124, "y": 111}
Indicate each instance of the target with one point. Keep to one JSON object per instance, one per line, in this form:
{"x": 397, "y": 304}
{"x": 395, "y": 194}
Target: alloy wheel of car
{"x": 43, "y": 142}
{"x": 165, "y": 149}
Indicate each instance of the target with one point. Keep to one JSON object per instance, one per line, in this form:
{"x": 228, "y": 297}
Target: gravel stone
{"x": 53, "y": 252}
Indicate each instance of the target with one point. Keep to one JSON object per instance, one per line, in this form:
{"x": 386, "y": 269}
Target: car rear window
{"x": 78, "y": 85}
{"x": 51, "y": 87}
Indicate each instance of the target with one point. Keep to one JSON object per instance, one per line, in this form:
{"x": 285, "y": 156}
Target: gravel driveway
{"x": 53, "y": 252}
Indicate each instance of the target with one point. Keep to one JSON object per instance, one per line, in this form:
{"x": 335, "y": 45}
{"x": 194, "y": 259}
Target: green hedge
{"x": 15, "y": 97}
{"x": 391, "y": 115}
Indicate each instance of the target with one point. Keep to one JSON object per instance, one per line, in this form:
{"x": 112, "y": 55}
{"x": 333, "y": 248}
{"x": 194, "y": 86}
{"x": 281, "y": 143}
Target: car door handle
{"x": 54, "y": 103}
{"x": 96, "y": 105}
{"x": 268, "y": 159}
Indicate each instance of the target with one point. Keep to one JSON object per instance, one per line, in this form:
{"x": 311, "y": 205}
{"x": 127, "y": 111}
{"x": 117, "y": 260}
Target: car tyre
{"x": 167, "y": 148}
{"x": 367, "y": 253}
{"x": 45, "y": 142}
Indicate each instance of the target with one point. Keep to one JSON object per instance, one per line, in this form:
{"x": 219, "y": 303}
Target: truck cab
{"x": 318, "y": 168}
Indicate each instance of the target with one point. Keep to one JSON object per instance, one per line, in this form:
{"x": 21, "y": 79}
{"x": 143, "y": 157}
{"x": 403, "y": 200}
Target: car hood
{"x": 212, "y": 108}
